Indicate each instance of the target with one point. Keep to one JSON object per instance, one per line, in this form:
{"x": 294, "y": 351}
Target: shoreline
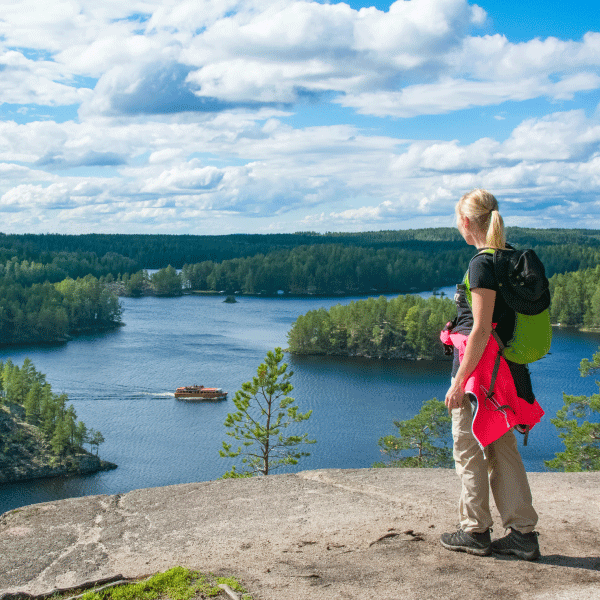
{"x": 384, "y": 356}
{"x": 67, "y": 338}
{"x": 339, "y": 294}
{"x": 88, "y": 465}
{"x": 576, "y": 328}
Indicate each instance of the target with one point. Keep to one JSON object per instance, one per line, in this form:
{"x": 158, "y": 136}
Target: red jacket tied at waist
{"x": 504, "y": 410}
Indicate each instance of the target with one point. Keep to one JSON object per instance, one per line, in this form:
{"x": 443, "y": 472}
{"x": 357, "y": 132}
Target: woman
{"x": 499, "y": 464}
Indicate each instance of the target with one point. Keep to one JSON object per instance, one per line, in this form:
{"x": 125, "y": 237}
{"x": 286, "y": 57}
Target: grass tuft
{"x": 177, "y": 583}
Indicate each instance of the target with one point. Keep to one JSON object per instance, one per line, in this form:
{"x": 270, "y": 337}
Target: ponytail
{"x": 495, "y": 236}
{"x": 482, "y": 208}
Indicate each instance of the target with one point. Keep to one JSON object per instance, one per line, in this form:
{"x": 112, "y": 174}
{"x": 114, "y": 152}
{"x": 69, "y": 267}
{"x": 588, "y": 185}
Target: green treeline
{"x": 49, "y": 412}
{"x": 403, "y": 327}
{"x": 100, "y": 254}
{"x": 332, "y": 268}
{"x": 408, "y": 326}
{"x": 165, "y": 282}
{"x": 37, "y": 306}
{"x": 56, "y": 267}
{"x": 327, "y": 269}
{"x": 50, "y": 312}
{"x": 47, "y": 295}
{"x": 576, "y": 298}
{"x": 157, "y": 251}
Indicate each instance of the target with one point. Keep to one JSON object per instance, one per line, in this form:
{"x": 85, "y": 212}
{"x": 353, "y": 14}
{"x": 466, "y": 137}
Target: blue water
{"x": 122, "y": 384}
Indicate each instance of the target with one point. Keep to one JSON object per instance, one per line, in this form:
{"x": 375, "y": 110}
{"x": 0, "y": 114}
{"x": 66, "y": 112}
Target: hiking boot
{"x": 472, "y": 543}
{"x": 523, "y": 545}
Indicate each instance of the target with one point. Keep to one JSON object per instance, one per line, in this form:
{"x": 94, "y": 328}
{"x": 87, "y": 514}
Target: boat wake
{"x": 123, "y": 396}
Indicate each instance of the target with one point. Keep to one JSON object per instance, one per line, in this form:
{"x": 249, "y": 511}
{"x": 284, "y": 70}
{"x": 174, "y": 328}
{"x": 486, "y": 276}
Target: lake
{"x": 122, "y": 382}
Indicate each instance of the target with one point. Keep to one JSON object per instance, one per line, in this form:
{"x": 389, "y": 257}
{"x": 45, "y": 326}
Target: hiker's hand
{"x": 455, "y": 396}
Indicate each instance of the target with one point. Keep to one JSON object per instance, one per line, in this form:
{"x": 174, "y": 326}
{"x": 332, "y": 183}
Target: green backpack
{"x": 523, "y": 284}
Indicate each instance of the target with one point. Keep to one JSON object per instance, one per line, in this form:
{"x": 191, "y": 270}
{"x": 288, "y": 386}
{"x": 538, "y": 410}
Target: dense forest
{"x": 121, "y": 253}
{"x": 46, "y": 312}
{"x": 328, "y": 269}
{"x": 576, "y": 298}
{"x": 332, "y": 269}
{"x": 158, "y": 251}
{"x": 403, "y": 327}
{"x": 53, "y": 286}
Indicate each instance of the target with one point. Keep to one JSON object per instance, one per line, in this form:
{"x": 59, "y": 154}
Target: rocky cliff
{"x": 24, "y": 454}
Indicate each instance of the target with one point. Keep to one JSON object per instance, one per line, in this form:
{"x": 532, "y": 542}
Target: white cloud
{"x": 36, "y": 196}
{"x": 560, "y": 136}
{"x": 236, "y": 52}
{"x": 494, "y": 57}
{"x": 167, "y": 57}
{"x": 168, "y": 155}
{"x": 183, "y": 178}
{"x": 451, "y": 94}
{"x": 195, "y": 109}
{"x": 497, "y": 71}
{"x": 270, "y": 55}
{"x": 360, "y": 179}
{"x": 54, "y": 26}
{"x": 26, "y": 81}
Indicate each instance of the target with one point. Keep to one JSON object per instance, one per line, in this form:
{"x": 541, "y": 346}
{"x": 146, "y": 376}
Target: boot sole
{"x": 468, "y": 549}
{"x": 533, "y": 555}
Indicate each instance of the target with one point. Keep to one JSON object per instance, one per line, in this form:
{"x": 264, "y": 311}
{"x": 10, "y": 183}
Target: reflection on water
{"x": 122, "y": 384}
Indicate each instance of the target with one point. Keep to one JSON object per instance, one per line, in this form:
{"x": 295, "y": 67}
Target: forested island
{"x": 55, "y": 286}
{"x": 40, "y": 435}
{"x": 576, "y": 298}
{"x": 406, "y": 327}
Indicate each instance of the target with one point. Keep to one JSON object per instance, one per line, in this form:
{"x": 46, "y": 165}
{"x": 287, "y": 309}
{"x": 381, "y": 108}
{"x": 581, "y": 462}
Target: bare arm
{"x": 483, "y": 308}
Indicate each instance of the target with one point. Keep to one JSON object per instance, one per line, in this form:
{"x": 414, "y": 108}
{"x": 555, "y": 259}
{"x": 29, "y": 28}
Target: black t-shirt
{"x": 482, "y": 275}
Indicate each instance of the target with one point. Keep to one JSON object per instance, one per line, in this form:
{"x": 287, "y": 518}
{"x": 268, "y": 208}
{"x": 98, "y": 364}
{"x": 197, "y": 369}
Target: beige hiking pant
{"x": 499, "y": 467}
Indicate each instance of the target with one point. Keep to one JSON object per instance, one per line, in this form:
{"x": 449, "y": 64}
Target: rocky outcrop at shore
{"x": 24, "y": 454}
{"x": 82, "y": 464}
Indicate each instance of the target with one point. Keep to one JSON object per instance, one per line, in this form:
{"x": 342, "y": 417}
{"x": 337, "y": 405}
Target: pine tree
{"x": 579, "y": 428}
{"x": 33, "y": 403}
{"x": 81, "y": 434}
{"x": 60, "y": 439}
{"x": 70, "y": 420}
{"x": 95, "y": 439}
{"x": 48, "y": 411}
{"x": 415, "y": 445}
{"x": 9, "y": 381}
{"x": 264, "y": 411}
{"x": 2, "y": 390}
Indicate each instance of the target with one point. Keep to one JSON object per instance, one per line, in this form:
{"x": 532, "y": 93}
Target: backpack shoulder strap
{"x": 466, "y": 277}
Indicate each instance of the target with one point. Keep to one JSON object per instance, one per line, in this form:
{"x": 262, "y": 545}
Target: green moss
{"x": 177, "y": 583}
{"x": 235, "y": 586}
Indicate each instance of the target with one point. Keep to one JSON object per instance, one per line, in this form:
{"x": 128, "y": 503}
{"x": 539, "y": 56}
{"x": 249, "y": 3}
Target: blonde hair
{"x": 481, "y": 208}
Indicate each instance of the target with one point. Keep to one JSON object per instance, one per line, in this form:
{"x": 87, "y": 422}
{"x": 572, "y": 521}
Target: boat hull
{"x": 197, "y": 393}
{"x": 198, "y": 397}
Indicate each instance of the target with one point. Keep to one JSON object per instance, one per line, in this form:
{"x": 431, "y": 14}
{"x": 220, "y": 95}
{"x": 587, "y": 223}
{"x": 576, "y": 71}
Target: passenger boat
{"x": 199, "y": 392}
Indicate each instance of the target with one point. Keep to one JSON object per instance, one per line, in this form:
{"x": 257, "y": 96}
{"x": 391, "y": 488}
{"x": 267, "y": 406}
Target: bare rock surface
{"x": 330, "y": 534}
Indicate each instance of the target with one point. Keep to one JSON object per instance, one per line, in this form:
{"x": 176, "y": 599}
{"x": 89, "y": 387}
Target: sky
{"x": 277, "y": 116}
